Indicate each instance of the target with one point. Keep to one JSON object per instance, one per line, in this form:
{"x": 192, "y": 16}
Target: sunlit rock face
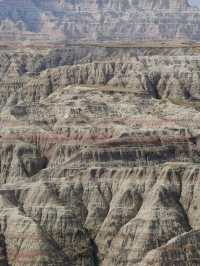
{"x": 99, "y": 146}
{"x": 100, "y": 157}
{"x": 101, "y": 20}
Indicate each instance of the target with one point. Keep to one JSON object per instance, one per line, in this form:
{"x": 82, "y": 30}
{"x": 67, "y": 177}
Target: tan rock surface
{"x": 99, "y": 160}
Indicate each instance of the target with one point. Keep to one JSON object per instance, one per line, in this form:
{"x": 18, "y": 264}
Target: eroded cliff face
{"x": 161, "y": 73}
{"x": 98, "y": 20}
{"x": 99, "y": 157}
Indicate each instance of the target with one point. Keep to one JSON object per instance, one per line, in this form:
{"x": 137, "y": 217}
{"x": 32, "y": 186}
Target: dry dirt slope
{"x": 98, "y": 20}
{"x": 99, "y": 157}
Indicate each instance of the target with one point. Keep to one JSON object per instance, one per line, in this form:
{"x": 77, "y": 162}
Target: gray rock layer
{"x": 100, "y": 157}
{"x": 101, "y": 20}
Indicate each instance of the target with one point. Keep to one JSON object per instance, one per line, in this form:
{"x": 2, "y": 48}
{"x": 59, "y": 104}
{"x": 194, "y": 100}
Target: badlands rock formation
{"x": 99, "y": 157}
{"x": 98, "y": 20}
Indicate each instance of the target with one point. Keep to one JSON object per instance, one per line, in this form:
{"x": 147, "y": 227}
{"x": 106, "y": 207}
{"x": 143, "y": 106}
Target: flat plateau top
{"x": 137, "y": 44}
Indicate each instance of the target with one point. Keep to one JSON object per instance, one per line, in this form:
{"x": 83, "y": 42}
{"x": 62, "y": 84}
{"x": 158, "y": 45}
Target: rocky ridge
{"x": 99, "y": 157}
{"x": 101, "y": 20}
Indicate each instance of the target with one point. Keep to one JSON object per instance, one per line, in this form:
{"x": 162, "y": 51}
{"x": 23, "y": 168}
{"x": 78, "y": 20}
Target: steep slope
{"x": 101, "y": 20}
{"x": 99, "y": 157}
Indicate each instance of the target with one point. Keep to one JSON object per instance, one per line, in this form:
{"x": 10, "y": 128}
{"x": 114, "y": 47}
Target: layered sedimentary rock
{"x": 99, "y": 157}
{"x": 34, "y": 76}
{"x": 98, "y": 20}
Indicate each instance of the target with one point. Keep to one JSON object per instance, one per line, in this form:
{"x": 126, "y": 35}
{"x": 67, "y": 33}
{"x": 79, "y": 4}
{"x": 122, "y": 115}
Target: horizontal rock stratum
{"x": 100, "y": 156}
{"x": 98, "y": 20}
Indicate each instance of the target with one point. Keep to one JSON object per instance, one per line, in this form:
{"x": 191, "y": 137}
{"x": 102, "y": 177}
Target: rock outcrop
{"x": 98, "y": 20}
{"x": 99, "y": 157}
